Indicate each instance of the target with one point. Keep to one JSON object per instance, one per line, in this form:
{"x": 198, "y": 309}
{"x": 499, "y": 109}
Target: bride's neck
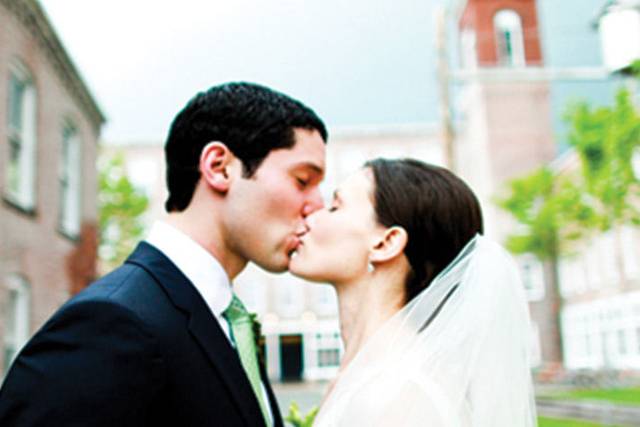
{"x": 364, "y": 305}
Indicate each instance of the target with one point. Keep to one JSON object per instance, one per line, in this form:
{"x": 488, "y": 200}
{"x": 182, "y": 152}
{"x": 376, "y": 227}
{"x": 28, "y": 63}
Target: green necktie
{"x": 242, "y": 334}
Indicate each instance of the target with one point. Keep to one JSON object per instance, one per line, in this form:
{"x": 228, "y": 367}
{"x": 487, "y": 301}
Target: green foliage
{"x": 626, "y": 396}
{"x": 296, "y": 419}
{"x": 635, "y": 68}
{"x": 605, "y": 139}
{"x": 551, "y": 210}
{"x": 555, "y": 210}
{"x": 120, "y": 208}
{"x": 553, "y": 422}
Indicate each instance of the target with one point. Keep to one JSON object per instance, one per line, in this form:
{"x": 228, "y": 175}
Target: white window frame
{"x": 21, "y": 168}
{"x": 17, "y": 317}
{"x": 69, "y": 182}
{"x": 507, "y": 25}
{"x": 323, "y": 342}
{"x": 468, "y": 49}
{"x": 532, "y": 273}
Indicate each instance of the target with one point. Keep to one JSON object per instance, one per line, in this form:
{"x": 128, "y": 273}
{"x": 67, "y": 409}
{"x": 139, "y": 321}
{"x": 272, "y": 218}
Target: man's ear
{"x": 389, "y": 245}
{"x": 215, "y": 158}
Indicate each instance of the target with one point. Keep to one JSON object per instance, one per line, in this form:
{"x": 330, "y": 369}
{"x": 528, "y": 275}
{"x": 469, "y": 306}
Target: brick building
{"x": 600, "y": 288}
{"x": 49, "y": 130}
{"x": 506, "y": 129}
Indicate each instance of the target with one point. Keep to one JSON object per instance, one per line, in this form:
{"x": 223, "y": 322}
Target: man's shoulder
{"x": 129, "y": 287}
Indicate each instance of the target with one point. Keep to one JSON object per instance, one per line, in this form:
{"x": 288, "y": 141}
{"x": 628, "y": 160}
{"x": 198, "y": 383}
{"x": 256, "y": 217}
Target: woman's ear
{"x": 214, "y": 162}
{"x": 390, "y": 244}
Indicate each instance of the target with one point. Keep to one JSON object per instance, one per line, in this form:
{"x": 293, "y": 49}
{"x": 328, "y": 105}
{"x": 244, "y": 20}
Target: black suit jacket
{"x": 138, "y": 348}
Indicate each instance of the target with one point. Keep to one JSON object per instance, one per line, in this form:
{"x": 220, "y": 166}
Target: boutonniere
{"x": 298, "y": 419}
{"x": 258, "y": 338}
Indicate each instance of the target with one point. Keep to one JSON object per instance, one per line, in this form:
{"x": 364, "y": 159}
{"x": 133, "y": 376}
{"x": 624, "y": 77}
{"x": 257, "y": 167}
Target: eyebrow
{"x": 310, "y": 165}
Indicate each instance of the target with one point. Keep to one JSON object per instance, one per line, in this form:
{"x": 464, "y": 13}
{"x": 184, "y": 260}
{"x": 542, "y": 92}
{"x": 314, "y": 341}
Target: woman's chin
{"x": 301, "y": 268}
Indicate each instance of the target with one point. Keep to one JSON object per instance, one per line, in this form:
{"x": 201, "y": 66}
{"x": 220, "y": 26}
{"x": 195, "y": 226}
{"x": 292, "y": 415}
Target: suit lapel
{"x": 202, "y": 326}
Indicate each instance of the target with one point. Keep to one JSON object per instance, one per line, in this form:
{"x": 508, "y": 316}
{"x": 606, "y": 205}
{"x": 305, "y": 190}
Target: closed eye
{"x": 303, "y": 183}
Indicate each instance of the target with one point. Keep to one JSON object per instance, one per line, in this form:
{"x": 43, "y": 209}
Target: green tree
{"x": 552, "y": 213}
{"x": 555, "y": 211}
{"x": 121, "y": 206}
{"x": 606, "y": 139}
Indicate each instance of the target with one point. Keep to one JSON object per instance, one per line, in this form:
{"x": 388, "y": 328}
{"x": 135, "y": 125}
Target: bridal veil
{"x": 456, "y": 355}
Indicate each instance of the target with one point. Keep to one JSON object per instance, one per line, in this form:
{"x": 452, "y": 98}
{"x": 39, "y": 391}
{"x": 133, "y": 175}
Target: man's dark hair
{"x": 251, "y": 120}
{"x": 437, "y": 209}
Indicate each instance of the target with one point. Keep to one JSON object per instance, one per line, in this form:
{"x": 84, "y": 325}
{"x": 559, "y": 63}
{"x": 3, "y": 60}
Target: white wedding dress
{"x": 456, "y": 355}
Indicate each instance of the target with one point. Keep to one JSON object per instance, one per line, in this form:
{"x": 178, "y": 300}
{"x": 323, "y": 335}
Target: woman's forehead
{"x": 358, "y": 184}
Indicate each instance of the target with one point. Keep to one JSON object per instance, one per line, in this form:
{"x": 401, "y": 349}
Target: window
{"x": 468, "y": 48}
{"x": 630, "y": 253}
{"x": 622, "y": 343}
{"x": 21, "y": 135}
{"x": 509, "y": 40}
{"x": 532, "y": 277}
{"x": 329, "y": 350}
{"x": 69, "y": 181}
{"x": 328, "y": 357}
{"x": 16, "y": 318}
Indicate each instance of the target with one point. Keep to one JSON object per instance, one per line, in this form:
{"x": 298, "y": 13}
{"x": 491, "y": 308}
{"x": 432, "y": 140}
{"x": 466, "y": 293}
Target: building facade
{"x": 49, "y": 129}
{"x": 600, "y": 289}
{"x": 506, "y": 129}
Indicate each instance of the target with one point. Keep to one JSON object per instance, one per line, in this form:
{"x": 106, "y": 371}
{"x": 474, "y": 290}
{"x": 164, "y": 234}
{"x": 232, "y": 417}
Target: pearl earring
{"x": 370, "y": 267}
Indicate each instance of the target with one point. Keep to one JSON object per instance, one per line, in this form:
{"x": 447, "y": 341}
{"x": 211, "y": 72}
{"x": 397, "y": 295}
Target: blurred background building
{"x": 512, "y": 85}
{"x": 49, "y": 126}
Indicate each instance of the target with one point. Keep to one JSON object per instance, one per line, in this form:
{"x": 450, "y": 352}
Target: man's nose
{"x": 313, "y": 203}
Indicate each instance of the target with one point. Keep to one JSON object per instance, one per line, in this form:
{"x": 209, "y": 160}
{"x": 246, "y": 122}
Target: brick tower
{"x": 505, "y": 130}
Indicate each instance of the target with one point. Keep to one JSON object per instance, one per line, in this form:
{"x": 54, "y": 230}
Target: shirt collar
{"x": 195, "y": 262}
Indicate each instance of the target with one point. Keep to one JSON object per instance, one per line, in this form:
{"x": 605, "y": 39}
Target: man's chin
{"x": 275, "y": 266}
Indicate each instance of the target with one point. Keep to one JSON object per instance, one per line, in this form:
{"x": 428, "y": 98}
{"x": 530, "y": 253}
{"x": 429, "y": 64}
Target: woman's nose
{"x": 313, "y": 203}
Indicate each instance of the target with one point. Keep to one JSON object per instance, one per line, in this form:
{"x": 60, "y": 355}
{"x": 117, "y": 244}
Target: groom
{"x": 162, "y": 340}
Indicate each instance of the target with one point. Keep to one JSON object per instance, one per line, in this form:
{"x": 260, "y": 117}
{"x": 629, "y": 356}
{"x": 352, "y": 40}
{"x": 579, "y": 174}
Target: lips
{"x": 292, "y": 245}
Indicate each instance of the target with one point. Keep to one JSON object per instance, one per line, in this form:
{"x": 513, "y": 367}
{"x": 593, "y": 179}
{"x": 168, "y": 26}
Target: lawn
{"x": 549, "y": 422}
{"x": 627, "y": 396}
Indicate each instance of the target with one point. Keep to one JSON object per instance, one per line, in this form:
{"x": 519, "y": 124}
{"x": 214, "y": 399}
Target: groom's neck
{"x": 208, "y": 235}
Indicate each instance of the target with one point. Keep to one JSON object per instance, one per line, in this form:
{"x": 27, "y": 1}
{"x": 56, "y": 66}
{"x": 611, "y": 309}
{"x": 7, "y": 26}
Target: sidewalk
{"x": 306, "y": 394}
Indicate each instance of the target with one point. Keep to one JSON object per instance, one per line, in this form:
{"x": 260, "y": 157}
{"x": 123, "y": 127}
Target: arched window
{"x": 21, "y": 135}
{"x": 69, "y": 181}
{"x": 509, "y": 38}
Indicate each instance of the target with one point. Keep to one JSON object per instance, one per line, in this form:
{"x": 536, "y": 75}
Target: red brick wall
{"x": 478, "y": 15}
{"x": 55, "y": 266}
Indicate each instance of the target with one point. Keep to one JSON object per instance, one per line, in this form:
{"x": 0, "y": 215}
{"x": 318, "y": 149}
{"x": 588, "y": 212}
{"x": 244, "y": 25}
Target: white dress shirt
{"x": 203, "y": 270}
{"x": 200, "y": 267}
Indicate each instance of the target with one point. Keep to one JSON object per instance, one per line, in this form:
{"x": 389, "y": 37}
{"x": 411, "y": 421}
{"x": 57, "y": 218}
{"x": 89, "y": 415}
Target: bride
{"x": 433, "y": 315}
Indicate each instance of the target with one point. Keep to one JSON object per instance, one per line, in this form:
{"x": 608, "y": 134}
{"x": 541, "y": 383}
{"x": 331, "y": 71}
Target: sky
{"x": 356, "y": 62}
